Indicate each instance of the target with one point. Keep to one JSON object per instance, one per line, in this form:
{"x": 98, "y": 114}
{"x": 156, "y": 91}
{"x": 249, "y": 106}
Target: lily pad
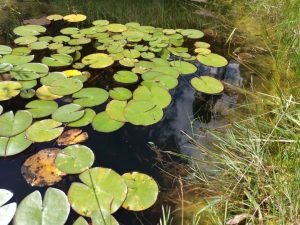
{"x": 125, "y": 77}
{"x": 98, "y": 60}
{"x": 25, "y": 40}
{"x": 80, "y": 221}
{"x": 207, "y": 85}
{"x": 120, "y": 93}
{"x": 101, "y": 187}
{"x": 116, "y": 27}
{"x": 142, "y": 191}
{"x": 58, "y": 60}
{"x": 131, "y": 53}
{"x": 40, "y": 170}
{"x": 79, "y": 41}
{"x": 16, "y": 59}
{"x": 29, "y": 71}
{"x": 11, "y": 125}
{"x": 184, "y": 67}
{"x": 103, "y": 123}
{"x": 69, "y": 30}
{"x": 7, "y": 212}
{"x": 39, "y": 45}
{"x": 1, "y": 109}
{"x": 29, "y": 30}
{"x": 87, "y": 118}
{"x": 9, "y": 89}
{"x": 5, "y": 67}
{"x": 54, "y": 17}
{"x": 27, "y": 94}
{"x": 54, "y": 210}
{"x": 89, "y": 97}
{"x": 192, "y": 33}
{"x": 75, "y": 18}
{"x": 68, "y": 113}
{"x": 5, "y": 50}
{"x": 21, "y": 51}
{"x": 128, "y": 62}
{"x": 140, "y": 112}
{"x": 44, "y": 93}
{"x": 158, "y": 95}
{"x": 100, "y": 22}
{"x": 41, "y": 108}
{"x": 61, "y": 39}
{"x": 28, "y": 84}
{"x": 13, "y": 145}
{"x": 115, "y": 110}
{"x": 66, "y": 50}
{"x": 165, "y": 81}
{"x": 213, "y": 60}
{"x": 103, "y": 218}
{"x": 44, "y": 130}
{"x": 75, "y": 159}
{"x": 71, "y": 137}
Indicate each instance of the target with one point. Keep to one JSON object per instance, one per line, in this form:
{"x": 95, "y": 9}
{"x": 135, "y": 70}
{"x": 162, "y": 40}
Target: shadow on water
{"x": 128, "y": 148}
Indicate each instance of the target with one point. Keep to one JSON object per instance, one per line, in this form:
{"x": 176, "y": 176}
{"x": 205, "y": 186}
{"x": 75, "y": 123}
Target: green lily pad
{"x": 44, "y": 130}
{"x": 148, "y": 55}
{"x": 61, "y": 39}
{"x": 101, "y": 187}
{"x": 5, "y": 67}
{"x": 165, "y": 81}
{"x": 54, "y": 17}
{"x": 166, "y": 70}
{"x": 158, "y": 95}
{"x": 103, "y": 218}
{"x": 11, "y": 125}
{"x": 207, "y": 85}
{"x": 13, "y": 145}
{"x": 75, "y": 18}
{"x": 54, "y": 210}
{"x": 69, "y": 30}
{"x": 213, "y": 60}
{"x": 1, "y": 109}
{"x": 116, "y": 28}
{"x": 113, "y": 49}
{"x": 16, "y": 59}
{"x": 59, "y": 84}
{"x": 103, "y": 123}
{"x": 98, "y": 60}
{"x": 184, "y": 67}
{"x": 120, "y": 93}
{"x": 41, "y": 108}
{"x": 151, "y": 75}
{"x": 100, "y": 22}
{"x": 7, "y": 212}
{"x": 27, "y": 94}
{"x": 5, "y": 50}
{"x": 131, "y": 53}
{"x": 142, "y": 191}
{"x": 66, "y": 50}
{"x": 55, "y": 46}
{"x": 75, "y": 159}
{"x": 45, "y": 38}
{"x": 201, "y": 44}
{"x": 79, "y": 41}
{"x": 89, "y": 97}
{"x": 80, "y": 221}
{"x": 29, "y": 71}
{"x": 28, "y": 84}
{"x": 193, "y": 34}
{"x": 125, "y": 77}
{"x": 29, "y": 30}
{"x": 143, "y": 112}
{"x": 58, "y": 60}
{"x": 68, "y": 113}
{"x": 25, "y": 40}
{"x": 115, "y": 110}
{"x": 202, "y": 51}
{"x": 87, "y": 118}
{"x": 38, "y": 45}
{"x": 22, "y": 51}
{"x": 128, "y": 62}
{"x": 9, "y": 89}
{"x": 44, "y": 93}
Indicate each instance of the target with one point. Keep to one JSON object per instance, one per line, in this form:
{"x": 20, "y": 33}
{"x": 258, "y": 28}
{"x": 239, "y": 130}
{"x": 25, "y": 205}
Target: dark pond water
{"x": 128, "y": 148}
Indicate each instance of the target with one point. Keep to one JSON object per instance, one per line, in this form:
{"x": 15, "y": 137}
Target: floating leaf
{"x": 7, "y": 212}
{"x": 29, "y": 71}
{"x": 142, "y": 191}
{"x": 5, "y": 50}
{"x": 103, "y": 218}
{"x": 131, "y": 53}
{"x": 80, "y": 221}
{"x": 16, "y": 59}
{"x": 39, "y": 45}
{"x": 125, "y": 77}
{"x": 61, "y": 39}
{"x": 5, "y": 67}
{"x": 143, "y": 112}
{"x": 72, "y": 73}
{"x": 128, "y": 62}
{"x": 29, "y": 30}
{"x": 103, "y": 123}
{"x": 66, "y": 50}
{"x": 100, "y": 22}
{"x": 73, "y": 136}
{"x": 68, "y": 113}
{"x": 200, "y": 44}
{"x": 11, "y": 125}
{"x": 98, "y": 60}
{"x": 75, "y": 18}
{"x": 9, "y": 89}
{"x": 193, "y": 34}
{"x": 207, "y": 85}
{"x": 79, "y": 41}
{"x": 202, "y": 51}
{"x": 41, "y": 108}
{"x": 54, "y": 17}
{"x": 165, "y": 81}
{"x": 115, "y": 110}
{"x": 25, "y": 40}
{"x": 58, "y": 60}
{"x": 213, "y": 60}
{"x": 69, "y": 30}
{"x": 22, "y": 51}
{"x": 87, "y": 118}
{"x": 158, "y": 95}
{"x": 44, "y": 93}
{"x": 1, "y": 109}
{"x": 27, "y": 94}
{"x": 184, "y": 67}
{"x": 166, "y": 70}
{"x": 28, "y": 84}
{"x": 40, "y": 170}
{"x": 120, "y": 93}
{"x": 89, "y": 97}
{"x": 54, "y": 210}
{"x": 148, "y": 55}
{"x": 44, "y": 130}
{"x": 75, "y": 159}
{"x": 116, "y": 28}
{"x": 100, "y": 186}
{"x": 13, "y": 145}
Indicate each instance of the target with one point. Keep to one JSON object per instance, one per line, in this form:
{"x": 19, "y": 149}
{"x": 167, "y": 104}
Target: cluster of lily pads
{"x": 46, "y": 67}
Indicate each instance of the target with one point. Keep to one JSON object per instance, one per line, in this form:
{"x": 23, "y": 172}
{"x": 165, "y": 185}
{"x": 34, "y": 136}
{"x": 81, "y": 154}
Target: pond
{"x": 129, "y": 148}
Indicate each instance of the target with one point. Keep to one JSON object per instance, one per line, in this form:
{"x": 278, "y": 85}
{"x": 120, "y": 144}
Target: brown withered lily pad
{"x": 40, "y": 170}
{"x": 40, "y": 21}
{"x": 71, "y": 137}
